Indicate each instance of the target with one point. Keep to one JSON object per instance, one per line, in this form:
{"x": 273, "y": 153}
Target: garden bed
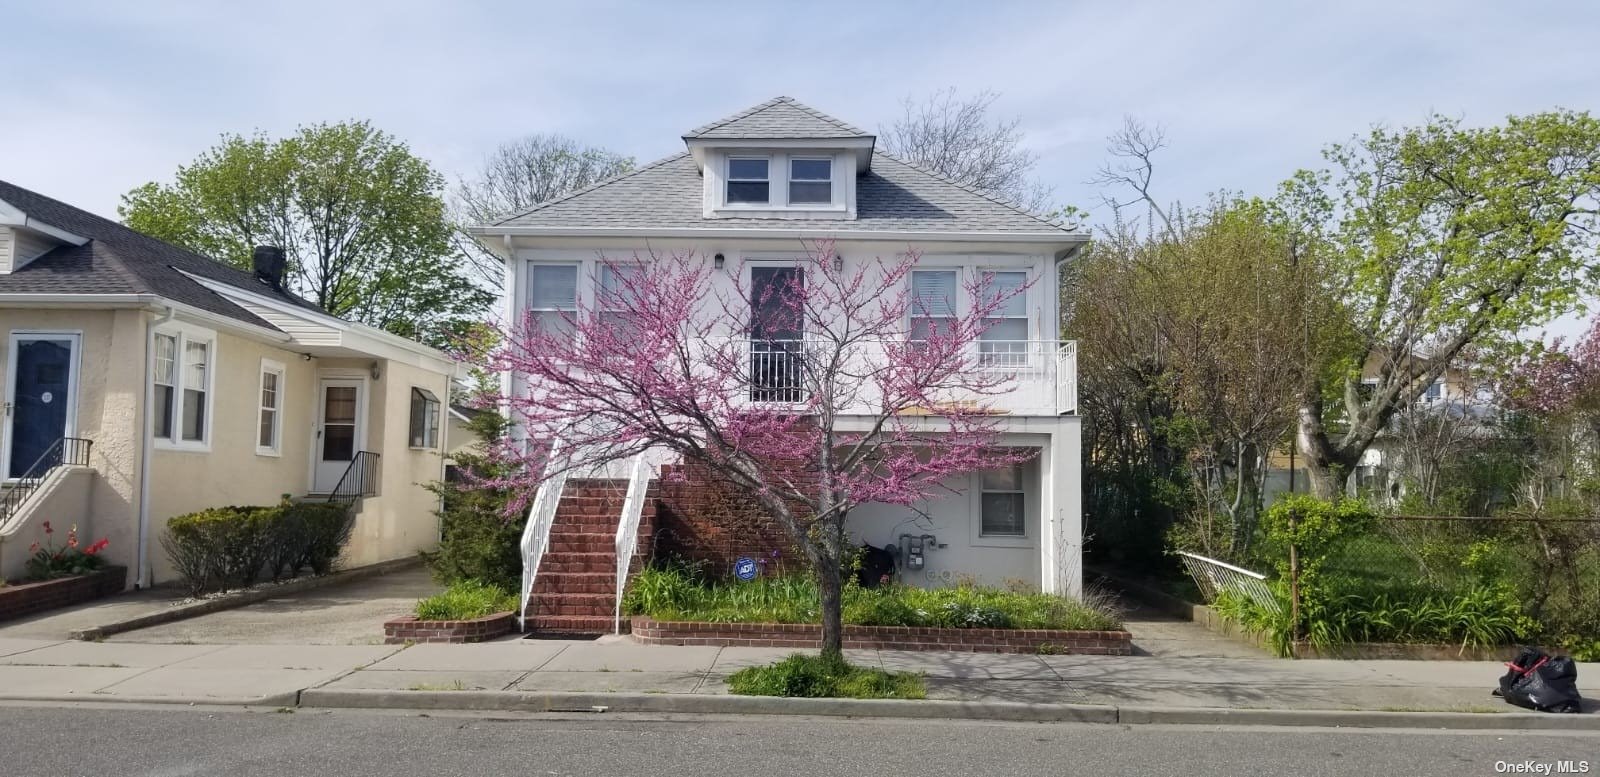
{"x": 410, "y": 628}
{"x": 22, "y": 599}
{"x": 805, "y": 635}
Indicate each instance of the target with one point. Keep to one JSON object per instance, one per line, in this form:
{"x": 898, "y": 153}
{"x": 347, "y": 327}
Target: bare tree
{"x": 522, "y": 173}
{"x": 1132, "y": 166}
{"x": 956, "y": 137}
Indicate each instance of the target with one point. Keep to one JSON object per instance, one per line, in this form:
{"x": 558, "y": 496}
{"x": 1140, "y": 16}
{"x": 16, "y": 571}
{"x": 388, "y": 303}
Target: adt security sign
{"x": 745, "y": 568}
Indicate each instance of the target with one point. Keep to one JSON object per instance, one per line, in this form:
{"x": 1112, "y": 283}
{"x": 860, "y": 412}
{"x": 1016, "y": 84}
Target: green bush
{"x": 675, "y": 594}
{"x": 477, "y": 540}
{"x": 227, "y": 547}
{"x": 808, "y": 676}
{"x": 466, "y": 599}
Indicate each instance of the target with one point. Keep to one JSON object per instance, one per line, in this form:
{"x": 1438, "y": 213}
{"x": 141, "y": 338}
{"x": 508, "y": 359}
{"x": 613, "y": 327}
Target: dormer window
{"x": 749, "y": 180}
{"x": 810, "y": 181}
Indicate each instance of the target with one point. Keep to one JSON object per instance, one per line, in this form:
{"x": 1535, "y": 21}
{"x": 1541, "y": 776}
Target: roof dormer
{"x": 780, "y": 159}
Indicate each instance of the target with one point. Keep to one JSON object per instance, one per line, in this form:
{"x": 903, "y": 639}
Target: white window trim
{"x": 278, "y": 369}
{"x": 437, "y": 425}
{"x": 729, "y": 180}
{"x": 1030, "y": 501}
{"x": 790, "y": 180}
{"x": 185, "y": 334}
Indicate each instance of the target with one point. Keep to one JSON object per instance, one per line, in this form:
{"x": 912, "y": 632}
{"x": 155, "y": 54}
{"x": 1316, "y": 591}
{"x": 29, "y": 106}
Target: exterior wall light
{"x": 838, "y": 263}
{"x": 717, "y": 261}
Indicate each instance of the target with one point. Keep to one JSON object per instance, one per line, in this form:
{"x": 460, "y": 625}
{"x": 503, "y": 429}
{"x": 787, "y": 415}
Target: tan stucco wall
{"x": 110, "y": 390}
{"x": 400, "y": 520}
{"x": 231, "y": 472}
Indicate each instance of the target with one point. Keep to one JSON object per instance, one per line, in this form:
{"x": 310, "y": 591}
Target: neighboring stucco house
{"x": 746, "y": 194}
{"x": 143, "y": 381}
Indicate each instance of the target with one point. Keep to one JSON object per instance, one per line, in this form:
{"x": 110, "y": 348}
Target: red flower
{"x": 47, "y": 529}
{"x": 98, "y": 546}
{"x": 34, "y": 548}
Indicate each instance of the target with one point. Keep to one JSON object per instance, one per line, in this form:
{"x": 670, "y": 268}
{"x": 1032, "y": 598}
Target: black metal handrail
{"x": 64, "y": 452}
{"x": 360, "y": 479}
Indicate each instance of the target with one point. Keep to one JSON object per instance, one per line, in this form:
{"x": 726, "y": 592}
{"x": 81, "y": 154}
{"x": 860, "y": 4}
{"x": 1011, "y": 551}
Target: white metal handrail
{"x": 536, "y": 534}
{"x": 1213, "y": 577}
{"x": 628, "y": 530}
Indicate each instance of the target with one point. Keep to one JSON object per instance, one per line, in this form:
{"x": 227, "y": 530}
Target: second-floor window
{"x": 749, "y": 180}
{"x": 1004, "y": 343}
{"x": 614, "y": 280}
{"x": 553, "y": 296}
{"x": 933, "y": 302}
{"x": 810, "y": 181}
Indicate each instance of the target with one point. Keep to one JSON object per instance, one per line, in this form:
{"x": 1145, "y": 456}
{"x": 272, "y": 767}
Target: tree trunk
{"x": 831, "y": 586}
{"x": 1327, "y": 466}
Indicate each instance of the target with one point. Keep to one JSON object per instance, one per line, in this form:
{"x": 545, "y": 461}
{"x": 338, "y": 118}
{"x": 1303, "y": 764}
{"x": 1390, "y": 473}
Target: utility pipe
{"x": 142, "y": 564}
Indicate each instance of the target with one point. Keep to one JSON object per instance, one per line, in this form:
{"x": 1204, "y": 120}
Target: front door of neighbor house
{"x": 340, "y": 431}
{"x": 41, "y": 398}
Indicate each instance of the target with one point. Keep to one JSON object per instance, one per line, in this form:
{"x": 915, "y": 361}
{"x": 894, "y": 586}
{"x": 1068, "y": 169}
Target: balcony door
{"x": 777, "y": 333}
{"x": 40, "y": 399}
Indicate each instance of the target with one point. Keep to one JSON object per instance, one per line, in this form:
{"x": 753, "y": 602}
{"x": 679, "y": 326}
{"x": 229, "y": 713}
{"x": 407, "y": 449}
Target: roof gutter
{"x": 736, "y": 233}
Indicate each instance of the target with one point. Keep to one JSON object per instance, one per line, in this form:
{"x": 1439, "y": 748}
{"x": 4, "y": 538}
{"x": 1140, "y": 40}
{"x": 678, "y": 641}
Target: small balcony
{"x": 1033, "y": 377}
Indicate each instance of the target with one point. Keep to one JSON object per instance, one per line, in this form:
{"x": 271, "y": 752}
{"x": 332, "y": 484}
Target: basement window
{"x": 1002, "y": 502}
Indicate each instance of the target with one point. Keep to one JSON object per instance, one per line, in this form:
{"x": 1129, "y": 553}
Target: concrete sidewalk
{"x": 278, "y": 674}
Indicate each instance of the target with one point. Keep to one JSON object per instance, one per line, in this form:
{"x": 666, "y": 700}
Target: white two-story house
{"x": 746, "y": 195}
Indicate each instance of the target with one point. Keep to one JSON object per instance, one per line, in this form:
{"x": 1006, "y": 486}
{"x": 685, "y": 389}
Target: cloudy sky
{"x": 101, "y": 97}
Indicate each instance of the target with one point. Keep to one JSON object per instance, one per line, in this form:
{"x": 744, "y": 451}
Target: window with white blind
{"x": 1004, "y": 343}
{"x": 181, "y": 371}
{"x": 165, "y": 377}
{"x": 614, "y": 285}
{"x": 933, "y": 301}
{"x": 270, "y": 416}
{"x": 553, "y": 296}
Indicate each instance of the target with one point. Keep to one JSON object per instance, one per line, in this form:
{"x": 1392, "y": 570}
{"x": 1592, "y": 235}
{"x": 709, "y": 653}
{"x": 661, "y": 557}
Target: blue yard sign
{"x": 745, "y": 568}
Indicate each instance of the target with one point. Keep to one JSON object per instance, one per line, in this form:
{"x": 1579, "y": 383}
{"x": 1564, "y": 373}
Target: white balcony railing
{"x": 1035, "y": 377}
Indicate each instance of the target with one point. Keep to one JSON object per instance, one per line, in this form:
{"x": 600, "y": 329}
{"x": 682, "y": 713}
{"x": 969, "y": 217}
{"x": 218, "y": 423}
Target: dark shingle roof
{"x": 778, "y": 118}
{"x": 892, "y": 195}
{"x": 118, "y": 260}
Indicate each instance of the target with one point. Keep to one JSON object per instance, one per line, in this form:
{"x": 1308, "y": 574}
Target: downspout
{"x": 148, "y": 442}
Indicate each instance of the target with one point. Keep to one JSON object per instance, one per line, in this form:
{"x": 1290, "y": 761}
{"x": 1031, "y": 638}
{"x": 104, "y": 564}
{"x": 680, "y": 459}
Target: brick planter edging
{"x": 21, "y": 599}
{"x": 809, "y": 635}
{"x": 411, "y": 629}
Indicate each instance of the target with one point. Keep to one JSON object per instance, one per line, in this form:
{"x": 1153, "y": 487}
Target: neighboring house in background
{"x": 745, "y": 196}
{"x": 459, "y": 437}
{"x": 143, "y": 381}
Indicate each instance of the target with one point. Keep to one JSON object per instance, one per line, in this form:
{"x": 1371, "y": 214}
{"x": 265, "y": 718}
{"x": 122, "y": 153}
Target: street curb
{"x": 288, "y": 699}
{"x": 240, "y": 599}
{"x": 705, "y": 704}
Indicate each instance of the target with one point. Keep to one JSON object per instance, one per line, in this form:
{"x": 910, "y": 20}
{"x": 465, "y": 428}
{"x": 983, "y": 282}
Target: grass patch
{"x": 814, "y": 677}
{"x": 465, "y": 600}
{"x": 672, "y": 594}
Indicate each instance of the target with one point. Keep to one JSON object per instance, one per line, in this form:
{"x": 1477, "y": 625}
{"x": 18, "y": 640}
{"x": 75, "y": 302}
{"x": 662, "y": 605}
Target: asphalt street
{"x": 108, "y": 741}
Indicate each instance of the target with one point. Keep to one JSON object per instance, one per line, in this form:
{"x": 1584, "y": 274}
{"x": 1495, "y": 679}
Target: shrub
{"x": 477, "y": 541}
{"x": 808, "y": 676}
{"x": 673, "y": 593}
{"x": 226, "y": 547}
{"x": 466, "y": 599}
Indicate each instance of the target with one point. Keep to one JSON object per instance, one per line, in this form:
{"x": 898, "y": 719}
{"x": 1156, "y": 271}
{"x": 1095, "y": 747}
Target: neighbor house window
{"x": 1004, "y": 342}
{"x": 1434, "y": 392}
{"x": 271, "y": 408}
{"x": 1002, "y": 502}
{"x": 933, "y": 302}
{"x": 553, "y": 296}
{"x": 749, "y": 180}
{"x": 424, "y": 418}
{"x": 810, "y": 181}
{"x": 165, "y": 377}
{"x": 181, "y": 373}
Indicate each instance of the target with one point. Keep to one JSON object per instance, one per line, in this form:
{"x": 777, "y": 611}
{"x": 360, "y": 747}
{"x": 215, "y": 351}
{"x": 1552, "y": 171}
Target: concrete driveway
{"x": 348, "y": 614}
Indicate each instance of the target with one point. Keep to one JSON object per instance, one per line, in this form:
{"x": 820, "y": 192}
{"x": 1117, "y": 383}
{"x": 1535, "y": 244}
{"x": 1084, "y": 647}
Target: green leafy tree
{"x": 1443, "y": 237}
{"x": 362, "y": 220}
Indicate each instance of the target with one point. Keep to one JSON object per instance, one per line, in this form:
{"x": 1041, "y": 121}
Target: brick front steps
{"x": 575, "y": 592}
{"x": 797, "y": 635}
{"x": 21, "y": 599}
{"x": 410, "y": 629}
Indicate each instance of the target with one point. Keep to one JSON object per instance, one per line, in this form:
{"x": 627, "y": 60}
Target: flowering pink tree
{"x": 804, "y": 386}
{"x": 1554, "y": 394}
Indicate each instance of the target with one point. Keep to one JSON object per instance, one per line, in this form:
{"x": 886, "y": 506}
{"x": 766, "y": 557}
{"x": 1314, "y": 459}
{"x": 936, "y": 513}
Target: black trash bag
{"x": 1539, "y": 681}
{"x": 877, "y": 566}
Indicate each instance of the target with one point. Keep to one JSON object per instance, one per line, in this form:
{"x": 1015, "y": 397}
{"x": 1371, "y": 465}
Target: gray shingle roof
{"x": 118, "y": 260}
{"x": 775, "y": 119}
{"x": 892, "y": 195}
